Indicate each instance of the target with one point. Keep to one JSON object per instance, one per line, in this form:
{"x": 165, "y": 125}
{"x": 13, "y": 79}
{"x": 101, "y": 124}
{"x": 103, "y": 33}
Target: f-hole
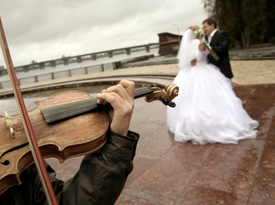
{"x": 6, "y": 162}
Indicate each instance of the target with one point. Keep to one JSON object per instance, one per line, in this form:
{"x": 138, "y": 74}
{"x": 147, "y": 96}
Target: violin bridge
{"x": 9, "y": 123}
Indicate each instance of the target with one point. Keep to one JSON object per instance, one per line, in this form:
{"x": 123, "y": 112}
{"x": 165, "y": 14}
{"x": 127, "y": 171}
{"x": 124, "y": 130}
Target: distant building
{"x": 169, "y": 43}
{"x": 2, "y": 67}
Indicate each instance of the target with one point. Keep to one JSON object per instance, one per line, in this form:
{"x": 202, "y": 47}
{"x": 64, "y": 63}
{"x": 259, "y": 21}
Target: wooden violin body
{"x": 73, "y": 137}
{"x": 81, "y": 129}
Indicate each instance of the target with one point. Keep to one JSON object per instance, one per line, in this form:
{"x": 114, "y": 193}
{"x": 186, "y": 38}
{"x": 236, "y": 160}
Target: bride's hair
{"x": 193, "y": 27}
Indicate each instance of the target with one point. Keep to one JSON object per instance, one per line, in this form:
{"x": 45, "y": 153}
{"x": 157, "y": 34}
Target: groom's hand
{"x": 202, "y": 47}
{"x": 193, "y": 62}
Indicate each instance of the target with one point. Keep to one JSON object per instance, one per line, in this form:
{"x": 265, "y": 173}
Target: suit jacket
{"x": 219, "y": 44}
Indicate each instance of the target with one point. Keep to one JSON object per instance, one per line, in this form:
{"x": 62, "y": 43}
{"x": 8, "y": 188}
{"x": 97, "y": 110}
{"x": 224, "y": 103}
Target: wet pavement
{"x": 169, "y": 172}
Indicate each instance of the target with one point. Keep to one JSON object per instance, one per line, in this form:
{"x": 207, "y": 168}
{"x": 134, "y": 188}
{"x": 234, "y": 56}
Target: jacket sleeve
{"x": 100, "y": 179}
{"x": 222, "y": 45}
{"x": 102, "y": 174}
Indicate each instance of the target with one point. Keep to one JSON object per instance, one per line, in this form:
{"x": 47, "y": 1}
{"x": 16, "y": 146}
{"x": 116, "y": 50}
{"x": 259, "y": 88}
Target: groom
{"x": 219, "y": 42}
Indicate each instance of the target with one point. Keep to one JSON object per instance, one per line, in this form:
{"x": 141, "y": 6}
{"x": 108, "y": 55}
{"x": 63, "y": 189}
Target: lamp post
{"x": 178, "y": 34}
{"x": 177, "y": 28}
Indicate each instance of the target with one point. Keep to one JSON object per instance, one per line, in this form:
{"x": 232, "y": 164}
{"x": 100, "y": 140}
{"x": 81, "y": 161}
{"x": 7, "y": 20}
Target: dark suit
{"x": 219, "y": 44}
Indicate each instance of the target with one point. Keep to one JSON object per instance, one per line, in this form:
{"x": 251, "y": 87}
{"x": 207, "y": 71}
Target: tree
{"x": 247, "y": 21}
{"x": 268, "y": 23}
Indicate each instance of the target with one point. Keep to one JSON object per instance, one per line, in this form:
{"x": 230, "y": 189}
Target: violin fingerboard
{"x": 65, "y": 111}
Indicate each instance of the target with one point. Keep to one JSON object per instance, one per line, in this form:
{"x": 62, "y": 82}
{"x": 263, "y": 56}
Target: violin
{"x": 66, "y": 125}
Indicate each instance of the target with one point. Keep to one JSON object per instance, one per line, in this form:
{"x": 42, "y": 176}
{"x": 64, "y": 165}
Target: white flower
{"x": 199, "y": 33}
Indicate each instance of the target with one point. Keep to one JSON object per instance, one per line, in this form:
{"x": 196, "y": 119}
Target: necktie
{"x": 209, "y": 39}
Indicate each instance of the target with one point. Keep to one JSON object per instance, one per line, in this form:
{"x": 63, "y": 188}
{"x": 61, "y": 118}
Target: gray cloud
{"x": 44, "y": 30}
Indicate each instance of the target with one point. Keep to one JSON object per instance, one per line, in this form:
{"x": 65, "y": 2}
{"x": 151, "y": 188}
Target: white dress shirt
{"x": 212, "y": 34}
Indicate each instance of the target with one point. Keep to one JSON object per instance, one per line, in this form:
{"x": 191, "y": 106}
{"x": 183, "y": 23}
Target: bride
{"x": 207, "y": 111}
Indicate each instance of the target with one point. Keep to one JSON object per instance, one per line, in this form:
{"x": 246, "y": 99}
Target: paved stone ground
{"x": 168, "y": 172}
{"x": 245, "y": 73}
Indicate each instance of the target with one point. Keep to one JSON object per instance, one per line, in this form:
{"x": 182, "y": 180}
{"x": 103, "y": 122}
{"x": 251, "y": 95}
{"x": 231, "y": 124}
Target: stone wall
{"x": 255, "y": 53}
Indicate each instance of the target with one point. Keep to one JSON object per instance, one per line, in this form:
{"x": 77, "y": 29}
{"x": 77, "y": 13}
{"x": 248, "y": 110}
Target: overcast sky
{"x": 43, "y": 30}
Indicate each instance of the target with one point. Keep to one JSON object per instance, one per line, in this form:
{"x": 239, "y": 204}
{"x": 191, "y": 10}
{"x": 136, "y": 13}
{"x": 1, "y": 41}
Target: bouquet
{"x": 199, "y": 33}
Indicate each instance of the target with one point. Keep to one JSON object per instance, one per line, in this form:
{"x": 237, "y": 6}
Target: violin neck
{"x": 61, "y": 112}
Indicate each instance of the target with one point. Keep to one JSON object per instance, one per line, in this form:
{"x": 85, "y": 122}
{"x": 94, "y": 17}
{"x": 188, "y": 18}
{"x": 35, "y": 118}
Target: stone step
{"x": 259, "y": 53}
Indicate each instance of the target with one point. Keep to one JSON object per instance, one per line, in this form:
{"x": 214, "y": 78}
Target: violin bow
{"x": 46, "y": 183}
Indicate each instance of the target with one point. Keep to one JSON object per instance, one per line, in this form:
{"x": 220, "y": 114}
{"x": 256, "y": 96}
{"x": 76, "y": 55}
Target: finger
{"x": 120, "y": 115}
{"x": 121, "y": 106}
{"x": 129, "y": 86}
{"x": 122, "y": 92}
{"x": 125, "y": 89}
{"x": 100, "y": 101}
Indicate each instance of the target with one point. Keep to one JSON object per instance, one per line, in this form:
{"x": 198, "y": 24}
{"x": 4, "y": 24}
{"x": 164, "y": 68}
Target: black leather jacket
{"x": 100, "y": 179}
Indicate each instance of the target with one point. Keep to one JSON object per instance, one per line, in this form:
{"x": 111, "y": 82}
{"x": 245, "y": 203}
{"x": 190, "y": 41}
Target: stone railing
{"x": 50, "y": 75}
{"x": 79, "y": 58}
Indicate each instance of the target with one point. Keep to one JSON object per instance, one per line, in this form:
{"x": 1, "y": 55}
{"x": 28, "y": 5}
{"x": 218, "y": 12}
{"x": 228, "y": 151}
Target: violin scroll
{"x": 171, "y": 91}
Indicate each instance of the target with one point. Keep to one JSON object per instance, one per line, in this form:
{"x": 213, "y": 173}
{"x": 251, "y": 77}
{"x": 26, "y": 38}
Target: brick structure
{"x": 168, "y": 43}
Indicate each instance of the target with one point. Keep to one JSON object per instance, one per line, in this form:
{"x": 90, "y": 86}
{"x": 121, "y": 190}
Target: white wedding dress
{"x": 207, "y": 109}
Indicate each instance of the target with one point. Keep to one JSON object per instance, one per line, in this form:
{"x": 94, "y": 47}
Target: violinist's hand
{"x": 121, "y": 97}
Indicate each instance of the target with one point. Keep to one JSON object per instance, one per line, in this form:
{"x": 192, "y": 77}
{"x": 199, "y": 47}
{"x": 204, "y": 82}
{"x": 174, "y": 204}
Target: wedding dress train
{"x": 207, "y": 109}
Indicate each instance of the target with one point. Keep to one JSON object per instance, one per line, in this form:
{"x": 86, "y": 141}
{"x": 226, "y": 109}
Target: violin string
{"x": 4, "y": 125}
{"x": 18, "y": 128}
{"x": 137, "y": 93}
{"x": 8, "y": 132}
{"x": 59, "y": 112}
{"x": 43, "y": 116}
{"x": 32, "y": 119}
{"x": 71, "y": 110}
{"x": 33, "y": 124}
{"x": 64, "y": 102}
{"x": 67, "y": 101}
{"x": 49, "y": 104}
